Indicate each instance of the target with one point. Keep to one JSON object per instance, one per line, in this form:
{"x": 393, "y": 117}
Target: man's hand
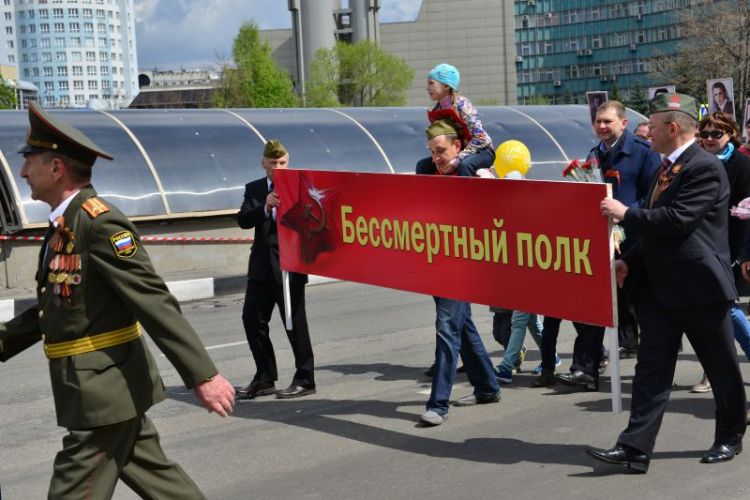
{"x": 272, "y": 201}
{"x": 745, "y": 268}
{"x": 448, "y": 168}
{"x": 613, "y": 208}
{"x": 621, "y": 272}
{"x": 216, "y": 394}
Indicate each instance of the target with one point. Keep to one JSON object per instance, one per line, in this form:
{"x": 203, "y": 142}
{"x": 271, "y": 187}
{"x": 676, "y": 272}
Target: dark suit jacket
{"x": 683, "y": 249}
{"x": 264, "y": 254}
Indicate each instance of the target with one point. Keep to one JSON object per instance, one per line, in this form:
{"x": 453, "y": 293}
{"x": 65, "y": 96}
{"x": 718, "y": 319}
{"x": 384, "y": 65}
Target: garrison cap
{"x": 441, "y": 127}
{"x": 662, "y": 103}
{"x": 274, "y": 149}
{"x": 47, "y": 133}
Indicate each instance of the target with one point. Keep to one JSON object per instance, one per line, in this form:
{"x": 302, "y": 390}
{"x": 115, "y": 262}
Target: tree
{"x": 255, "y": 81}
{"x": 614, "y": 94}
{"x": 7, "y": 95}
{"x": 715, "y": 43}
{"x": 638, "y": 99}
{"x": 358, "y": 74}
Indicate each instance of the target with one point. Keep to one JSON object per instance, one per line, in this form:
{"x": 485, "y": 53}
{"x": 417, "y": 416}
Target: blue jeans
{"x": 741, "y": 328}
{"x": 518, "y": 325}
{"x": 456, "y": 334}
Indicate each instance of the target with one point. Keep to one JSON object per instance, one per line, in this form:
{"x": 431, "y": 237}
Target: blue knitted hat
{"x": 445, "y": 74}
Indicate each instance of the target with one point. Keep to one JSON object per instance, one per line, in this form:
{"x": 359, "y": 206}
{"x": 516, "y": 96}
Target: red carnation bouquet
{"x": 583, "y": 172}
{"x": 589, "y": 171}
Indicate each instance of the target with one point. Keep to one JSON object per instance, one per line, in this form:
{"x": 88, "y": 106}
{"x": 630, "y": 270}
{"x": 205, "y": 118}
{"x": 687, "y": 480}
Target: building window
{"x": 59, "y": 27}
{"x": 62, "y": 71}
{"x": 105, "y": 83}
{"x": 49, "y": 86}
{"x": 91, "y": 56}
{"x": 93, "y": 85}
{"x": 9, "y": 44}
{"x": 32, "y": 28}
{"x": 59, "y": 42}
{"x": 44, "y": 28}
{"x": 60, "y": 57}
{"x": 43, "y": 14}
{"x": 44, "y": 43}
{"x": 49, "y": 100}
{"x": 11, "y": 58}
{"x": 8, "y": 16}
{"x": 75, "y": 41}
{"x": 77, "y": 84}
{"x": 105, "y": 70}
{"x": 91, "y": 70}
{"x": 75, "y": 27}
{"x": 64, "y": 100}
{"x": 88, "y": 13}
{"x": 9, "y": 30}
{"x": 88, "y": 27}
{"x": 46, "y": 57}
{"x": 75, "y": 56}
{"x": 103, "y": 56}
{"x": 79, "y": 100}
{"x": 72, "y": 12}
{"x": 77, "y": 70}
{"x": 63, "y": 85}
{"x": 57, "y": 13}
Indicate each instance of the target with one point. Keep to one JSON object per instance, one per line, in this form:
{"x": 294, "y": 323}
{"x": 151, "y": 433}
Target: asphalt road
{"x": 358, "y": 437}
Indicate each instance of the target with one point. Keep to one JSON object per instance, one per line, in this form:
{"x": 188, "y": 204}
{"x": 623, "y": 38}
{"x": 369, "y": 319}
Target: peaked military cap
{"x": 47, "y": 133}
{"x": 274, "y": 149}
{"x": 441, "y": 127}
{"x": 662, "y": 103}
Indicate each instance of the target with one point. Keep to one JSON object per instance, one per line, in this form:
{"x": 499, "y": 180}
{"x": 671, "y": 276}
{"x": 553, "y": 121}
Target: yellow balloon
{"x": 512, "y": 156}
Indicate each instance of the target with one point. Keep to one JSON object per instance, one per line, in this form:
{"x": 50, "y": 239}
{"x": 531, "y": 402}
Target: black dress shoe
{"x": 254, "y": 389}
{"x": 621, "y": 454}
{"x": 721, "y": 453}
{"x": 295, "y": 391}
{"x": 545, "y": 379}
{"x": 578, "y": 379}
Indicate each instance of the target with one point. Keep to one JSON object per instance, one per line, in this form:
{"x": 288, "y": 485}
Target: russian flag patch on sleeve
{"x": 124, "y": 244}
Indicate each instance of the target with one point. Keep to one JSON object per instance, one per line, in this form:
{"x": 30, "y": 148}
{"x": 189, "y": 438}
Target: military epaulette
{"x": 95, "y": 207}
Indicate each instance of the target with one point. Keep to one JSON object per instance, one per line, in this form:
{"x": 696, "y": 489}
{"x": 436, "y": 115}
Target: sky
{"x": 190, "y": 34}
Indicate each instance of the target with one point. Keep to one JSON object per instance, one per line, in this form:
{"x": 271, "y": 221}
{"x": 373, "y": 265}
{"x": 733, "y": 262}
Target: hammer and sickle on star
{"x": 321, "y": 219}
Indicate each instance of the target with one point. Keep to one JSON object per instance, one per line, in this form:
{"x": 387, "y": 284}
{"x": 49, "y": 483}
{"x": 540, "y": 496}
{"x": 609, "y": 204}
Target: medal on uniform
{"x": 65, "y": 266}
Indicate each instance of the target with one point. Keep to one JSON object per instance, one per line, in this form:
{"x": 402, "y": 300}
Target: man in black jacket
{"x": 264, "y": 288}
{"x": 682, "y": 273}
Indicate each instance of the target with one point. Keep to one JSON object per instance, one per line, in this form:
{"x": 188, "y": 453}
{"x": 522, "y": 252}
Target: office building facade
{"x": 77, "y": 52}
{"x": 565, "y": 48}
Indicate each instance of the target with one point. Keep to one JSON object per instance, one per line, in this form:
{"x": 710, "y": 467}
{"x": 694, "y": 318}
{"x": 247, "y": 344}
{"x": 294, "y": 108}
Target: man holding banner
{"x": 455, "y": 330}
{"x": 264, "y": 288}
{"x": 681, "y": 270}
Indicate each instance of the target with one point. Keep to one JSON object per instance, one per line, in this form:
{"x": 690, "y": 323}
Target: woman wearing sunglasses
{"x": 719, "y": 135}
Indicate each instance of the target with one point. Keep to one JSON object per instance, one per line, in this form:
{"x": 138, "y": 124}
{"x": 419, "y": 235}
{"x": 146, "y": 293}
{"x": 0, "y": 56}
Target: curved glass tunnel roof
{"x": 183, "y": 162}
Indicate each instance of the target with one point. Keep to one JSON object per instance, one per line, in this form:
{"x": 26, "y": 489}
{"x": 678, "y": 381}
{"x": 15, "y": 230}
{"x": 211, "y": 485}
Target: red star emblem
{"x": 314, "y": 217}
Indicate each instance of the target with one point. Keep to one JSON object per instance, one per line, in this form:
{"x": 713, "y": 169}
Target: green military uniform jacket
{"x": 117, "y": 288}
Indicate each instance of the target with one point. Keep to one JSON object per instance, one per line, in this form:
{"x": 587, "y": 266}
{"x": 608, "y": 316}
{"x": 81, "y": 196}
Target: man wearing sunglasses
{"x": 680, "y": 267}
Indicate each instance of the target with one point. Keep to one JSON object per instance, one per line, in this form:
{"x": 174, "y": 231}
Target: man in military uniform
{"x": 96, "y": 287}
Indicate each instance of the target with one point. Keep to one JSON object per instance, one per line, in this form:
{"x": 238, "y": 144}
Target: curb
{"x": 183, "y": 290}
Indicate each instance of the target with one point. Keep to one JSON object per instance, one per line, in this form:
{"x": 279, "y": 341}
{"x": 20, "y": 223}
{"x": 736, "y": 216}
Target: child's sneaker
{"x": 538, "y": 369}
{"x": 521, "y": 357}
{"x": 504, "y": 375}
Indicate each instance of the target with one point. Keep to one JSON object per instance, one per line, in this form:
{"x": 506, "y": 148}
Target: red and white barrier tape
{"x": 162, "y": 239}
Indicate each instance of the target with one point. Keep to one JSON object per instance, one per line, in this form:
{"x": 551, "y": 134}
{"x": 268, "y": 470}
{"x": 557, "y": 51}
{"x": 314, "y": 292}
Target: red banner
{"x": 534, "y": 246}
